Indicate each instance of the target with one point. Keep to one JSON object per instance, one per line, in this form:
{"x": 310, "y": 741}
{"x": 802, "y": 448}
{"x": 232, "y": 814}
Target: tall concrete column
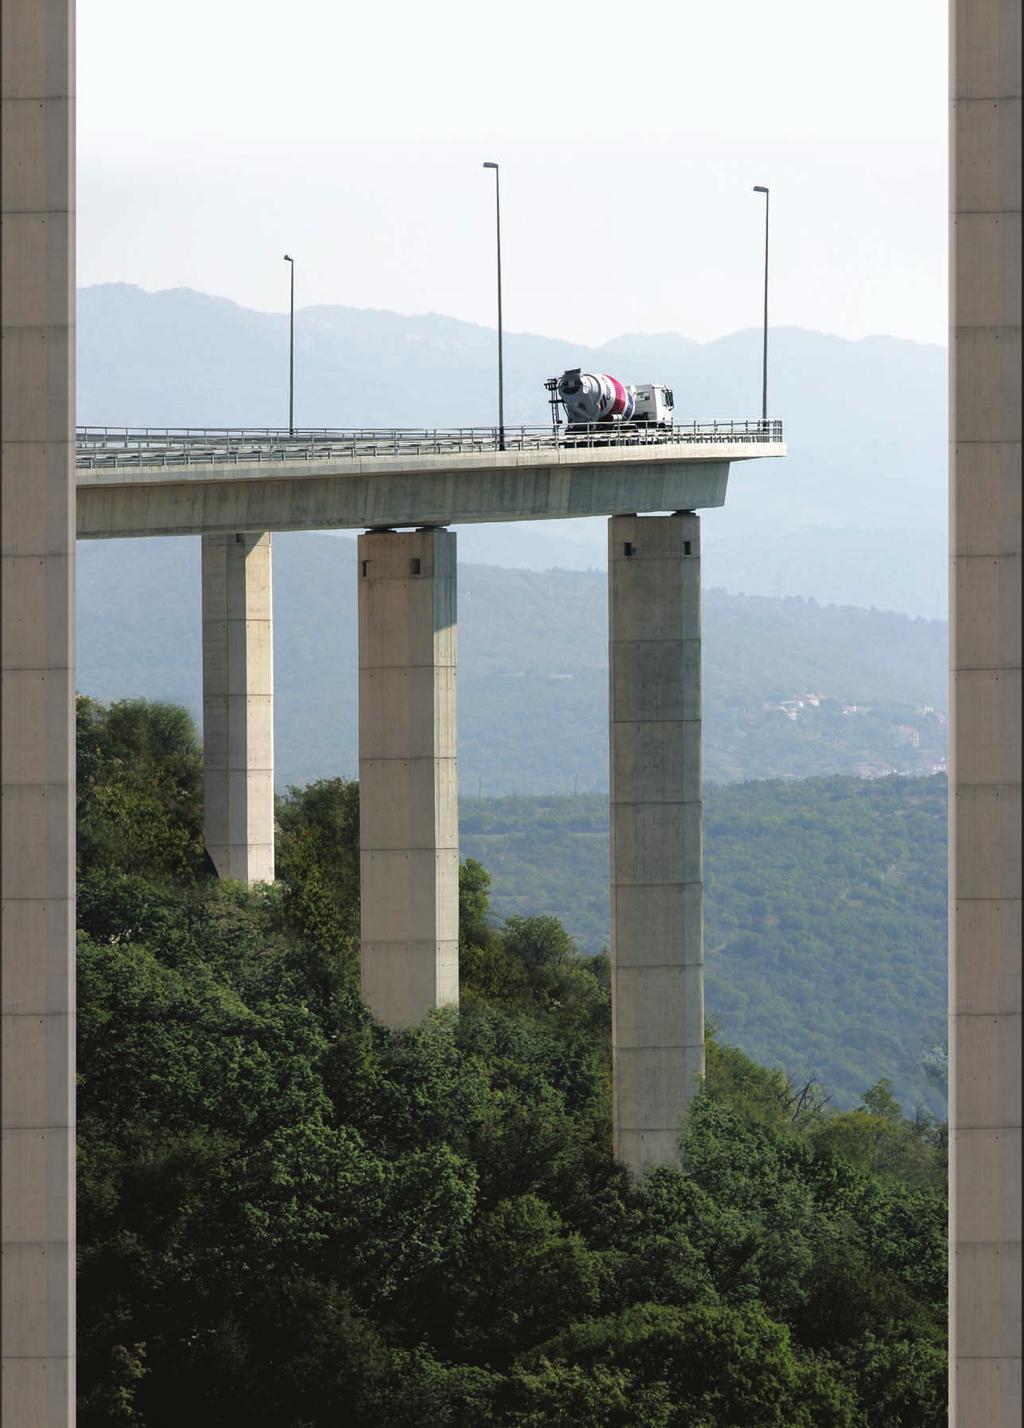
{"x": 238, "y": 706}
{"x": 37, "y": 1209}
{"x": 985, "y": 728}
{"x": 657, "y": 832}
{"x": 408, "y": 785}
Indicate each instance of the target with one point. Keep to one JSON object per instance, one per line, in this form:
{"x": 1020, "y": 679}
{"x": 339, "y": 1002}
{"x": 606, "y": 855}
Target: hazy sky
{"x": 215, "y": 136}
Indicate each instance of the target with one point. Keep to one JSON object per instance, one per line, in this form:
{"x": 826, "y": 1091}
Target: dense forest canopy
{"x": 290, "y": 1216}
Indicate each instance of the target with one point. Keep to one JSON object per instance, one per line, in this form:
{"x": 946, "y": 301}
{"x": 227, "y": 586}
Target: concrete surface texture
{"x": 405, "y": 491}
{"x": 37, "y": 1211}
{"x": 657, "y": 818}
{"x": 408, "y": 783}
{"x": 985, "y": 729}
{"x": 238, "y": 706}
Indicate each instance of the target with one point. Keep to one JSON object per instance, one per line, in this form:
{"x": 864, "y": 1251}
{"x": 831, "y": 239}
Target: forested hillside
{"x": 290, "y": 1217}
{"x": 533, "y": 671}
{"x": 825, "y": 916}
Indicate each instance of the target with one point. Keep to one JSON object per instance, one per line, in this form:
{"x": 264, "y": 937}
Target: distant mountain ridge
{"x": 854, "y": 515}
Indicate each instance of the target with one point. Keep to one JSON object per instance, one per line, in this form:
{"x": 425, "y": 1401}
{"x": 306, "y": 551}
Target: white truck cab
{"x": 654, "y": 404}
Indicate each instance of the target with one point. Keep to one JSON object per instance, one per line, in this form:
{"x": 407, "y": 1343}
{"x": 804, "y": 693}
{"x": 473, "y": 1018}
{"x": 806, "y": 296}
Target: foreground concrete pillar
{"x": 657, "y": 817}
{"x": 985, "y": 727}
{"x": 37, "y": 1175}
{"x": 238, "y": 706}
{"x": 408, "y": 786}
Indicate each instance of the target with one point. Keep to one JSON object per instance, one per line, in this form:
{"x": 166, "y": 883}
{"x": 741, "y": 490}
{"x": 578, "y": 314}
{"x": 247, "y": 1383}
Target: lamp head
{"x": 288, "y": 259}
{"x": 760, "y": 188}
{"x": 489, "y": 165}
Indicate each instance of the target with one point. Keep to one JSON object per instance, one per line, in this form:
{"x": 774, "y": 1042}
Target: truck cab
{"x": 654, "y": 404}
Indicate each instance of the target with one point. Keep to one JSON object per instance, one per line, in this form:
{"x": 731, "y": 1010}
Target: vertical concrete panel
{"x": 37, "y": 1209}
{"x": 408, "y": 784}
{"x": 985, "y": 737}
{"x": 657, "y": 817}
{"x": 238, "y": 706}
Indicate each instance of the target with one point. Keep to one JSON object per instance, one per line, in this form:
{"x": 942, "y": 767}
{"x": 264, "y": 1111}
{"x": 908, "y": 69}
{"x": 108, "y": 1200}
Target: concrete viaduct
{"x": 403, "y": 490}
{"x": 407, "y": 654}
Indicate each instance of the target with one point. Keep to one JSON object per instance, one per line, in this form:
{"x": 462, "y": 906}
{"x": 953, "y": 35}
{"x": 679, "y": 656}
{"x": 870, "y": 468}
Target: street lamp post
{"x": 501, "y": 364}
{"x": 291, "y": 349}
{"x": 760, "y": 188}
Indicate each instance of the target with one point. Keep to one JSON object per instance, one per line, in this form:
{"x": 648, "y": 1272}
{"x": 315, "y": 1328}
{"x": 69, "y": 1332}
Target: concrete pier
{"x": 238, "y": 706}
{"x": 985, "y": 728}
{"x": 408, "y": 785}
{"x": 657, "y": 816}
{"x": 37, "y": 1209}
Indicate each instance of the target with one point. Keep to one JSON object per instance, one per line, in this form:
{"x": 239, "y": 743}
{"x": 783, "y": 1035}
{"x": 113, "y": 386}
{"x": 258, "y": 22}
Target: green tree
{"x": 139, "y": 791}
{"x": 474, "y": 903}
{"x": 317, "y": 859}
{"x": 716, "y": 1365}
{"x": 521, "y": 1275}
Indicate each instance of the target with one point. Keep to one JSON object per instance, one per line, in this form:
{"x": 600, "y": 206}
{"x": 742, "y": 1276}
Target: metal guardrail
{"x": 116, "y": 447}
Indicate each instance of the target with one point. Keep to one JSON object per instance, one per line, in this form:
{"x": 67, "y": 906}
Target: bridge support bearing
{"x": 238, "y": 706}
{"x": 409, "y": 829}
{"x": 657, "y": 821}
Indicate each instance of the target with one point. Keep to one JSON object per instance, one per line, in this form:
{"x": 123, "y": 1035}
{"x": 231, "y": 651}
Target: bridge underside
{"x": 224, "y": 499}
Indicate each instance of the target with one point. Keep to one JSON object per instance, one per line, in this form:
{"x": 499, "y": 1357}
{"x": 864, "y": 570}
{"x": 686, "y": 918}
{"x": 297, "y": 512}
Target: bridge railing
{"x": 99, "y": 447}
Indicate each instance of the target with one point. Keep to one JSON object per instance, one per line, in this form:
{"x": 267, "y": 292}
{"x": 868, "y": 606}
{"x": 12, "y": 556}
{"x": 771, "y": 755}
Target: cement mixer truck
{"x": 589, "y": 398}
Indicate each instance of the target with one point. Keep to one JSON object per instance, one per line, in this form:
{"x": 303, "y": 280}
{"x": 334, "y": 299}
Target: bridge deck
{"x": 148, "y": 482}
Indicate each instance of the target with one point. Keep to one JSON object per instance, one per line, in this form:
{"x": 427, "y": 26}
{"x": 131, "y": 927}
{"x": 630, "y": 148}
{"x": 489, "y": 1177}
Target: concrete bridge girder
{"x": 405, "y": 492}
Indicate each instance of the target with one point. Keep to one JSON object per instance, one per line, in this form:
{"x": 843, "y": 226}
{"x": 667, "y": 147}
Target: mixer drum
{"x": 595, "y": 397}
